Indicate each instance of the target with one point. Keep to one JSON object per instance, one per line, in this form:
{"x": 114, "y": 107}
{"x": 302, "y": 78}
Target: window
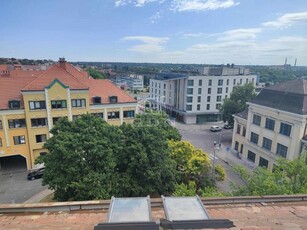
{"x": 14, "y": 104}
{"x": 19, "y": 140}
{"x": 220, "y": 82}
{"x": 282, "y": 150}
{"x": 256, "y": 119}
{"x": 39, "y": 122}
{"x": 33, "y": 105}
{"x": 210, "y": 82}
{"x": 251, "y": 156}
{"x": 254, "y": 138}
{"x": 164, "y": 86}
{"x": 285, "y": 129}
{"x": 113, "y": 115}
{"x": 55, "y": 119}
{"x": 114, "y": 99}
{"x": 189, "y": 90}
{"x": 43, "y": 153}
{"x": 226, "y": 89}
{"x": 17, "y": 123}
{"x": 208, "y": 106}
{"x": 189, "y": 99}
{"x": 97, "y": 100}
{"x": 219, "y": 90}
{"x": 269, "y": 124}
{"x": 263, "y": 162}
{"x": 1, "y": 127}
{"x": 208, "y": 98}
{"x": 199, "y": 99}
{"x": 189, "y": 107}
{"x": 246, "y": 81}
{"x": 98, "y": 115}
{"x": 199, "y": 90}
{"x": 238, "y": 129}
{"x": 200, "y": 82}
{"x": 59, "y": 104}
{"x": 41, "y": 138}
{"x": 227, "y": 82}
{"x": 241, "y": 149}
{"x": 267, "y": 143}
{"x": 219, "y": 98}
{"x": 78, "y": 103}
{"x": 129, "y": 113}
{"x": 244, "y": 131}
{"x": 218, "y": 106}
{"x": 241, "y": 81}
{"x": 198, "y": 107}
{"x": 0, "y": 142}
{"x": 209, "y": 90}
{"x": 190, "y": 82}
{"x": 234, "y": 81}
{"x": 75, "y": 117}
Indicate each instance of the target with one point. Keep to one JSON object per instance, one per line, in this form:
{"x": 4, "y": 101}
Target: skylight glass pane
{"x": 130, "y": 210}
{"x": 184, "y": 208}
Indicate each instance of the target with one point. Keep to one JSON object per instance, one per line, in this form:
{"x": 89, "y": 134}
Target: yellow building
{"x": 32, "y": 101}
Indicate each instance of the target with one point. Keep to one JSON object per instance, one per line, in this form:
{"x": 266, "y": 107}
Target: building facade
{"x": 197, "y": 99}
{"x": 273, "y": 126}
{"x": 132, "y": 81}
{"x": 31, "y": 104}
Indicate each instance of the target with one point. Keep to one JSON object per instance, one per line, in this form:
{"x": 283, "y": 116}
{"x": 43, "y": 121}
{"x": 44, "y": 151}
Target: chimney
{"x": 62, "y": 63}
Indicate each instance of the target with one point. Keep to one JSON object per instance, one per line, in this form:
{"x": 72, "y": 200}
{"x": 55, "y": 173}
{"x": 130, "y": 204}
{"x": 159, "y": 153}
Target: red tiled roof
{"x": 29, "y": 80}
{"x": 55, "y": 72}
{"x": 10, "y": 89}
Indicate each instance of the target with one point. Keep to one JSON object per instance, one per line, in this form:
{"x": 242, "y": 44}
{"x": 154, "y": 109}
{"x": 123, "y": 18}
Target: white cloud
{"x": 192, "y": 35}
{"x": 151, "y": 44}
{"x": 239, "y": 34}
{"x": 287, "y": 20}
{"x": 137, "y": 3}
{"x": 201, "y": 5}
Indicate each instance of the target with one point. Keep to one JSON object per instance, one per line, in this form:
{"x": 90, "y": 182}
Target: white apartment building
{"x": 197, "y": 99}
{"x": 274, "y": 125}
{"x": 133, "y": 81}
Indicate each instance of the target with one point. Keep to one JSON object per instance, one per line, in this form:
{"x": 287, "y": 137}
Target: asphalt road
{"x": 205, "y": 141}
{"x": 15, "y": 188}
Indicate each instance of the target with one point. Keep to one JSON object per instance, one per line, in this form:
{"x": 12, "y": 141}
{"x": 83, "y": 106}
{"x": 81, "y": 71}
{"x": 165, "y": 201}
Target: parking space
{"x": 15, "y": 188}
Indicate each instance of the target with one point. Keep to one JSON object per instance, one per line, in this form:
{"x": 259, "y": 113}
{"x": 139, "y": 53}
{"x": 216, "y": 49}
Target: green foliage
{"x": 90, "y": 159}
{"x": 185, "y": 189}
{"x": 95, "y": 73}
{"x": 145, "y": 164}
{"x": 290, "y": 177}
{"x": 211, "y": 192}
{"x": 220, "y": 173}
{"x": 237, "y": 101}
{"x": 193, "y": 165}
{"x": 159, "y": 120}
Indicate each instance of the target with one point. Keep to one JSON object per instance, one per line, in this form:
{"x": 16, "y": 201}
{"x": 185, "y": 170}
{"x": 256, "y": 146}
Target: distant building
{"x": 274, "y": 125}
{"x": 132, "y": 81}
{"x": 31, "y": 102}
{"x": 197, "y": 99}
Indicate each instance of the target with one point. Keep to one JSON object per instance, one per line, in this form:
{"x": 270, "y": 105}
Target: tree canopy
{"x": 95, "y": 73}
{"x": 237, "y": 101}
{"x": 289, "y": 177}
{"x": 89, "y": 159}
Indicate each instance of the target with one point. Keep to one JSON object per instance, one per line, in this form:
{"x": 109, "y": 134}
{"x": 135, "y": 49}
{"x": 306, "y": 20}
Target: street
{"x": 204, "y": 140}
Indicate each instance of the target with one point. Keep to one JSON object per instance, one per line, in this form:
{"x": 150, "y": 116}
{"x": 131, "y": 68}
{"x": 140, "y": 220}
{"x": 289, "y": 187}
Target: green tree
{"x": 289, "y": 177}
{"x": 81, "y": 163}
{"x": 161, "y": 121}
{"x": 237, "y": 101}
{"x": 145, "y": 164}
{"x": 95, "y": 73}
{"x": 193, "y": 165}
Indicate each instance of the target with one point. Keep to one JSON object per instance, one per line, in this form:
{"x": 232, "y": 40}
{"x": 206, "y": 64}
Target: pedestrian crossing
{"x": 211, "y": 156}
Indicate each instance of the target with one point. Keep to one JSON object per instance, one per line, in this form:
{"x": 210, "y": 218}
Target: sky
{"x": 244, "y": 32}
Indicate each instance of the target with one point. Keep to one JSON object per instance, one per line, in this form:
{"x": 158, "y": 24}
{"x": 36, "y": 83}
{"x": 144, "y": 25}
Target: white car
{"x": 215, "y": 128}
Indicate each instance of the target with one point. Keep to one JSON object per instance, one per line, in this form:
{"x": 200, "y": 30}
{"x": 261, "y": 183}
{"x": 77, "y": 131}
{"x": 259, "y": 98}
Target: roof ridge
{"x": 73, "y": 75}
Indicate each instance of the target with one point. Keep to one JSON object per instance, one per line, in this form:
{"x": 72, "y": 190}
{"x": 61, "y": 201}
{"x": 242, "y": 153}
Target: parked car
{"x": 35, "y": 174}
{"x": 227, "y": 126}
{"x": 215, "y": 128}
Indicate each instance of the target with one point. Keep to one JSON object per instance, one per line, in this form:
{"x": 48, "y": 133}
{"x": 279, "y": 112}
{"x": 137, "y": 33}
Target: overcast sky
{"x": 173, "y": 31}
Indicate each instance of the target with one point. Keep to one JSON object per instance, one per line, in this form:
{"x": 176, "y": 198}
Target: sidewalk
{"x": 39, "y": 196}
{"x": 194, "y": 127}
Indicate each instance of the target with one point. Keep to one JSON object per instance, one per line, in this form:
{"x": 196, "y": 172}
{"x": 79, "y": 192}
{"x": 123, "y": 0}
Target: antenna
{"x": 286, "y": 61}
{"x": 295, "y": 61}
